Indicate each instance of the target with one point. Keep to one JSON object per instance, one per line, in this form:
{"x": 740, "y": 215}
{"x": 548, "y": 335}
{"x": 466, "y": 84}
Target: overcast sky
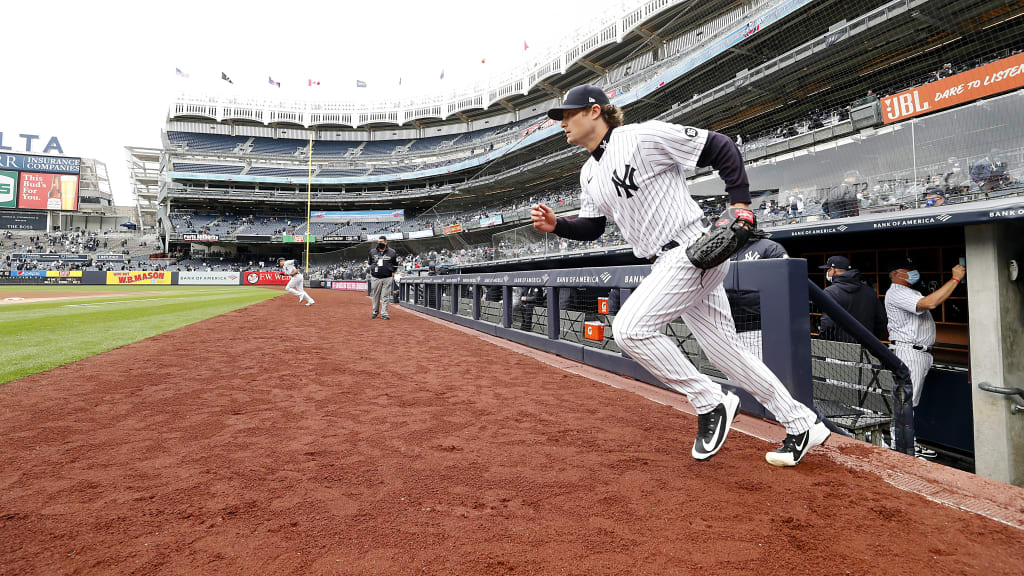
{"x": 101, "y": 75}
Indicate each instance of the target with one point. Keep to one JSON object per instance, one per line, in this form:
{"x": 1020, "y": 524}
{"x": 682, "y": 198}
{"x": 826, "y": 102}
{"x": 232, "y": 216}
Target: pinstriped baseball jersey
{"x": 906, "y": 323}
{"x": 288, "y": 267}
{"x": 640, "y": 184}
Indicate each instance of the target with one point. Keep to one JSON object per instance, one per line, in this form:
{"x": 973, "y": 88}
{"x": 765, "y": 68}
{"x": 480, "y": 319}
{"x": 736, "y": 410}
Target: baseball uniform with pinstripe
{"x": 636, "y": 177}
{"x": 295, "y": 285}
{"x": 911, "y": 332}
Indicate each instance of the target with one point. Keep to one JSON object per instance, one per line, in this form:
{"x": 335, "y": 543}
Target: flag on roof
{"x": 525, "y": 45}
{"x": 272, "y": 83}
{"x": 442, "y": 74}
{"x": 178, "y": 72}
{"x": 314, "y": 82}
{"x": 224, "y": 77}
{"x": 360, "y": 84}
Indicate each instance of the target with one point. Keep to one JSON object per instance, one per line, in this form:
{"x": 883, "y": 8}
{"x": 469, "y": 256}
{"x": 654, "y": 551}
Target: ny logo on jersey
{"x": 625, "y": 184}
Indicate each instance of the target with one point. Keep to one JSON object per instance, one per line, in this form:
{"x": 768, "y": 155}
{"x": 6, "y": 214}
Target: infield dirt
{"x": 281, "y": 439}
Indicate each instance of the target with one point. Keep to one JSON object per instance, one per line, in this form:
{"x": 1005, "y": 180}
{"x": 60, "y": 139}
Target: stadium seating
{"x": 212, "y": 143}
{"x": 207, "y": 168}
{"x": 281, "y": 147}
{"x": 279, "y": 172}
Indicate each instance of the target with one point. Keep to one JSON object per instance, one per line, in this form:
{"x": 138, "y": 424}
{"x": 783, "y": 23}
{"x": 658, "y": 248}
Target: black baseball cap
{"x": 901, "y": 263}
{"x": 579, "y": 97}
{"x": 838, "y": 262}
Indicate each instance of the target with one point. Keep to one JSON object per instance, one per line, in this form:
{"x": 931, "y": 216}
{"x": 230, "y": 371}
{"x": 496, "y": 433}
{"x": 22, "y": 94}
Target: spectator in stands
{"x": 842, "y": 200}
{"x": 850, "y": 291}
{"x": 382, "y": 262}
{"x": 934, "y": 196}
{"x": 945, "y": 72}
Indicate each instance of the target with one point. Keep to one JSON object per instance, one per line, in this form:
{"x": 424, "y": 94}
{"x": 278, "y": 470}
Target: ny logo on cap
{"x": 592, "y": 100}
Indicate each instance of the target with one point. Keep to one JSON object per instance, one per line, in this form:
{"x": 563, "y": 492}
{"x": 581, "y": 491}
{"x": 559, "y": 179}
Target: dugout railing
{"x": 569, "y": 312}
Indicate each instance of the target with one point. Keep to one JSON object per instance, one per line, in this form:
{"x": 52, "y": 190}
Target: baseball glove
{"x": 727, "y": 235}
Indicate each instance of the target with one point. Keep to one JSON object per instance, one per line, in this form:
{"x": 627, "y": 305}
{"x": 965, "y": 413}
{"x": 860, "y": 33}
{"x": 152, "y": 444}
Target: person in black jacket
{"x": 855, "y": 296}
{"x": 746, "y": 304}
{"x": 382, "y": 261}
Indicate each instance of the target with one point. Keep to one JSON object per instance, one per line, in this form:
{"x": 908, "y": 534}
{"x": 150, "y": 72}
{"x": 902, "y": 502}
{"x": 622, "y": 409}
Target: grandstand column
{"x": 997, "y": 319}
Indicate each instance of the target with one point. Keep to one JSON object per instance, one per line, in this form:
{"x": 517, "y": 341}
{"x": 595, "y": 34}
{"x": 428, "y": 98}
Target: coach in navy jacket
{"x": 855, "y": 296}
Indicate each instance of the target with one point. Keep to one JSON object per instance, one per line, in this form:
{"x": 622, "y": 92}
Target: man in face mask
{"x": 911, "y": 327}
{"x": 848, "y": 289}
{"x": 382, "y": 262}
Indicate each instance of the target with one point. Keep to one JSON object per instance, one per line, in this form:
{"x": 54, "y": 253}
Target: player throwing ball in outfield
{"x": 295, "y": 285}
{"x": 635, "y": 176}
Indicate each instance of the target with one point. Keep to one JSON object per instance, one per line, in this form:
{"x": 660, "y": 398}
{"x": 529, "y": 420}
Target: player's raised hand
{"x": 543, "y": 218}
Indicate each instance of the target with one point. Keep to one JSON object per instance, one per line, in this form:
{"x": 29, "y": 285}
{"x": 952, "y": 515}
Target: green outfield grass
{"x": 38, "y": 336}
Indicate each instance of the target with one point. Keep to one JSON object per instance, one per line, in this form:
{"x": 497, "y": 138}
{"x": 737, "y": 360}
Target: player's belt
{"x": 665, "y": 248}
{"x": 915, "y": 346}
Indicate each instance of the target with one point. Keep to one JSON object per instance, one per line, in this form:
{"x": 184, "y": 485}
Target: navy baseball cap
{"x": 579, "y": 97}
{"x": 901, "y": 263}
{"x": 840, "y": 262}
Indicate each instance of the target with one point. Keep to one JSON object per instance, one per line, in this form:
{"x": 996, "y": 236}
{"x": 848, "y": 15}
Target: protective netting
{"x": 852, "y": 388}
{"x": 849, "y": 108}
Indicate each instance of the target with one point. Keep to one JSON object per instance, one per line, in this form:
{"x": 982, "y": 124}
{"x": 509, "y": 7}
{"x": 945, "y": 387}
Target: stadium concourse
{"x": 294, "y": 450}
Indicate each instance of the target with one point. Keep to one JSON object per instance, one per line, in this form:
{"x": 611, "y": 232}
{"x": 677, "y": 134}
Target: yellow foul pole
{"x": 309, "y": 197}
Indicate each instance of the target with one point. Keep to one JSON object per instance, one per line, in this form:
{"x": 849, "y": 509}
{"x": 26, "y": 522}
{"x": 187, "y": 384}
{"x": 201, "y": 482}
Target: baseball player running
{"x": 635, "y": 176}
{"x": 295, "y": 285}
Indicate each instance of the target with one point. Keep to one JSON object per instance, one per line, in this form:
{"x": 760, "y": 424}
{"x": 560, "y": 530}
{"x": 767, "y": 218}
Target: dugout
{"x": 975, "y": 427}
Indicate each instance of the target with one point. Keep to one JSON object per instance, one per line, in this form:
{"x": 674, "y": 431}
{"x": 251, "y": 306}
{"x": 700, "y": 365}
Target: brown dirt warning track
{"x": 280, "y": 439}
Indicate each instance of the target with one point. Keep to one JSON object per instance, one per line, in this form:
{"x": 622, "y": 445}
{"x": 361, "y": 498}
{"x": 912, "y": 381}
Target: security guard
{"x": 382, "y": 261}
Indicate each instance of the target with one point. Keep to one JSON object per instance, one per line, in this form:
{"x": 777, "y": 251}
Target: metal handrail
{"x": 1016, "y": 408}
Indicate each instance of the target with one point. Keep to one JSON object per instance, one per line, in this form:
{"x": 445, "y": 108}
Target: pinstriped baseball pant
{"x": 674, "y": 289}
{"x": 919, "y": 362}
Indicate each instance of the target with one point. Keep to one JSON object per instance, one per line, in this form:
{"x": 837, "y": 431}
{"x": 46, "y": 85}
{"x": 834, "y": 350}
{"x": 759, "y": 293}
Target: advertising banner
{"x": 264, "y": 279}
{"x": 349, "y": 285}
{"x": 22, "y": 221}
{"x": 28, "y": 273}
{"x": 393, "y": 236}
{"x": 453, "y": 229}
{"x": 290, "y": 238}
{"x": 491, "y": 220}
{"x": 29, "y": 163}
{"x": 428, "y": 233}
{"x": 200, "y": 237}
{"x": 999, "y": 76}
{"x": 51, "y": 257}
{"x": 108, "y": 257}
{"x": 341, "y": 238}
{"x": 63, "y": 273}
{"x": 8, "y": 189}
{"x": 210, "y": 278}
{"x": 133, "y": 277}
{"x": 359, "y": 216}
{"x": 48, "y": 191}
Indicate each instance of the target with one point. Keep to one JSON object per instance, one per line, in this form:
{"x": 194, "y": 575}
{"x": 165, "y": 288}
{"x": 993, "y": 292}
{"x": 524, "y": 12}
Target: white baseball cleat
{"x": 796, "y": 445}
{"x": 309, "y": 303}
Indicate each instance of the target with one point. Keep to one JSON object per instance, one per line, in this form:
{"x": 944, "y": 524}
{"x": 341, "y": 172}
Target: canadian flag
{"x": 314, "y": 82}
